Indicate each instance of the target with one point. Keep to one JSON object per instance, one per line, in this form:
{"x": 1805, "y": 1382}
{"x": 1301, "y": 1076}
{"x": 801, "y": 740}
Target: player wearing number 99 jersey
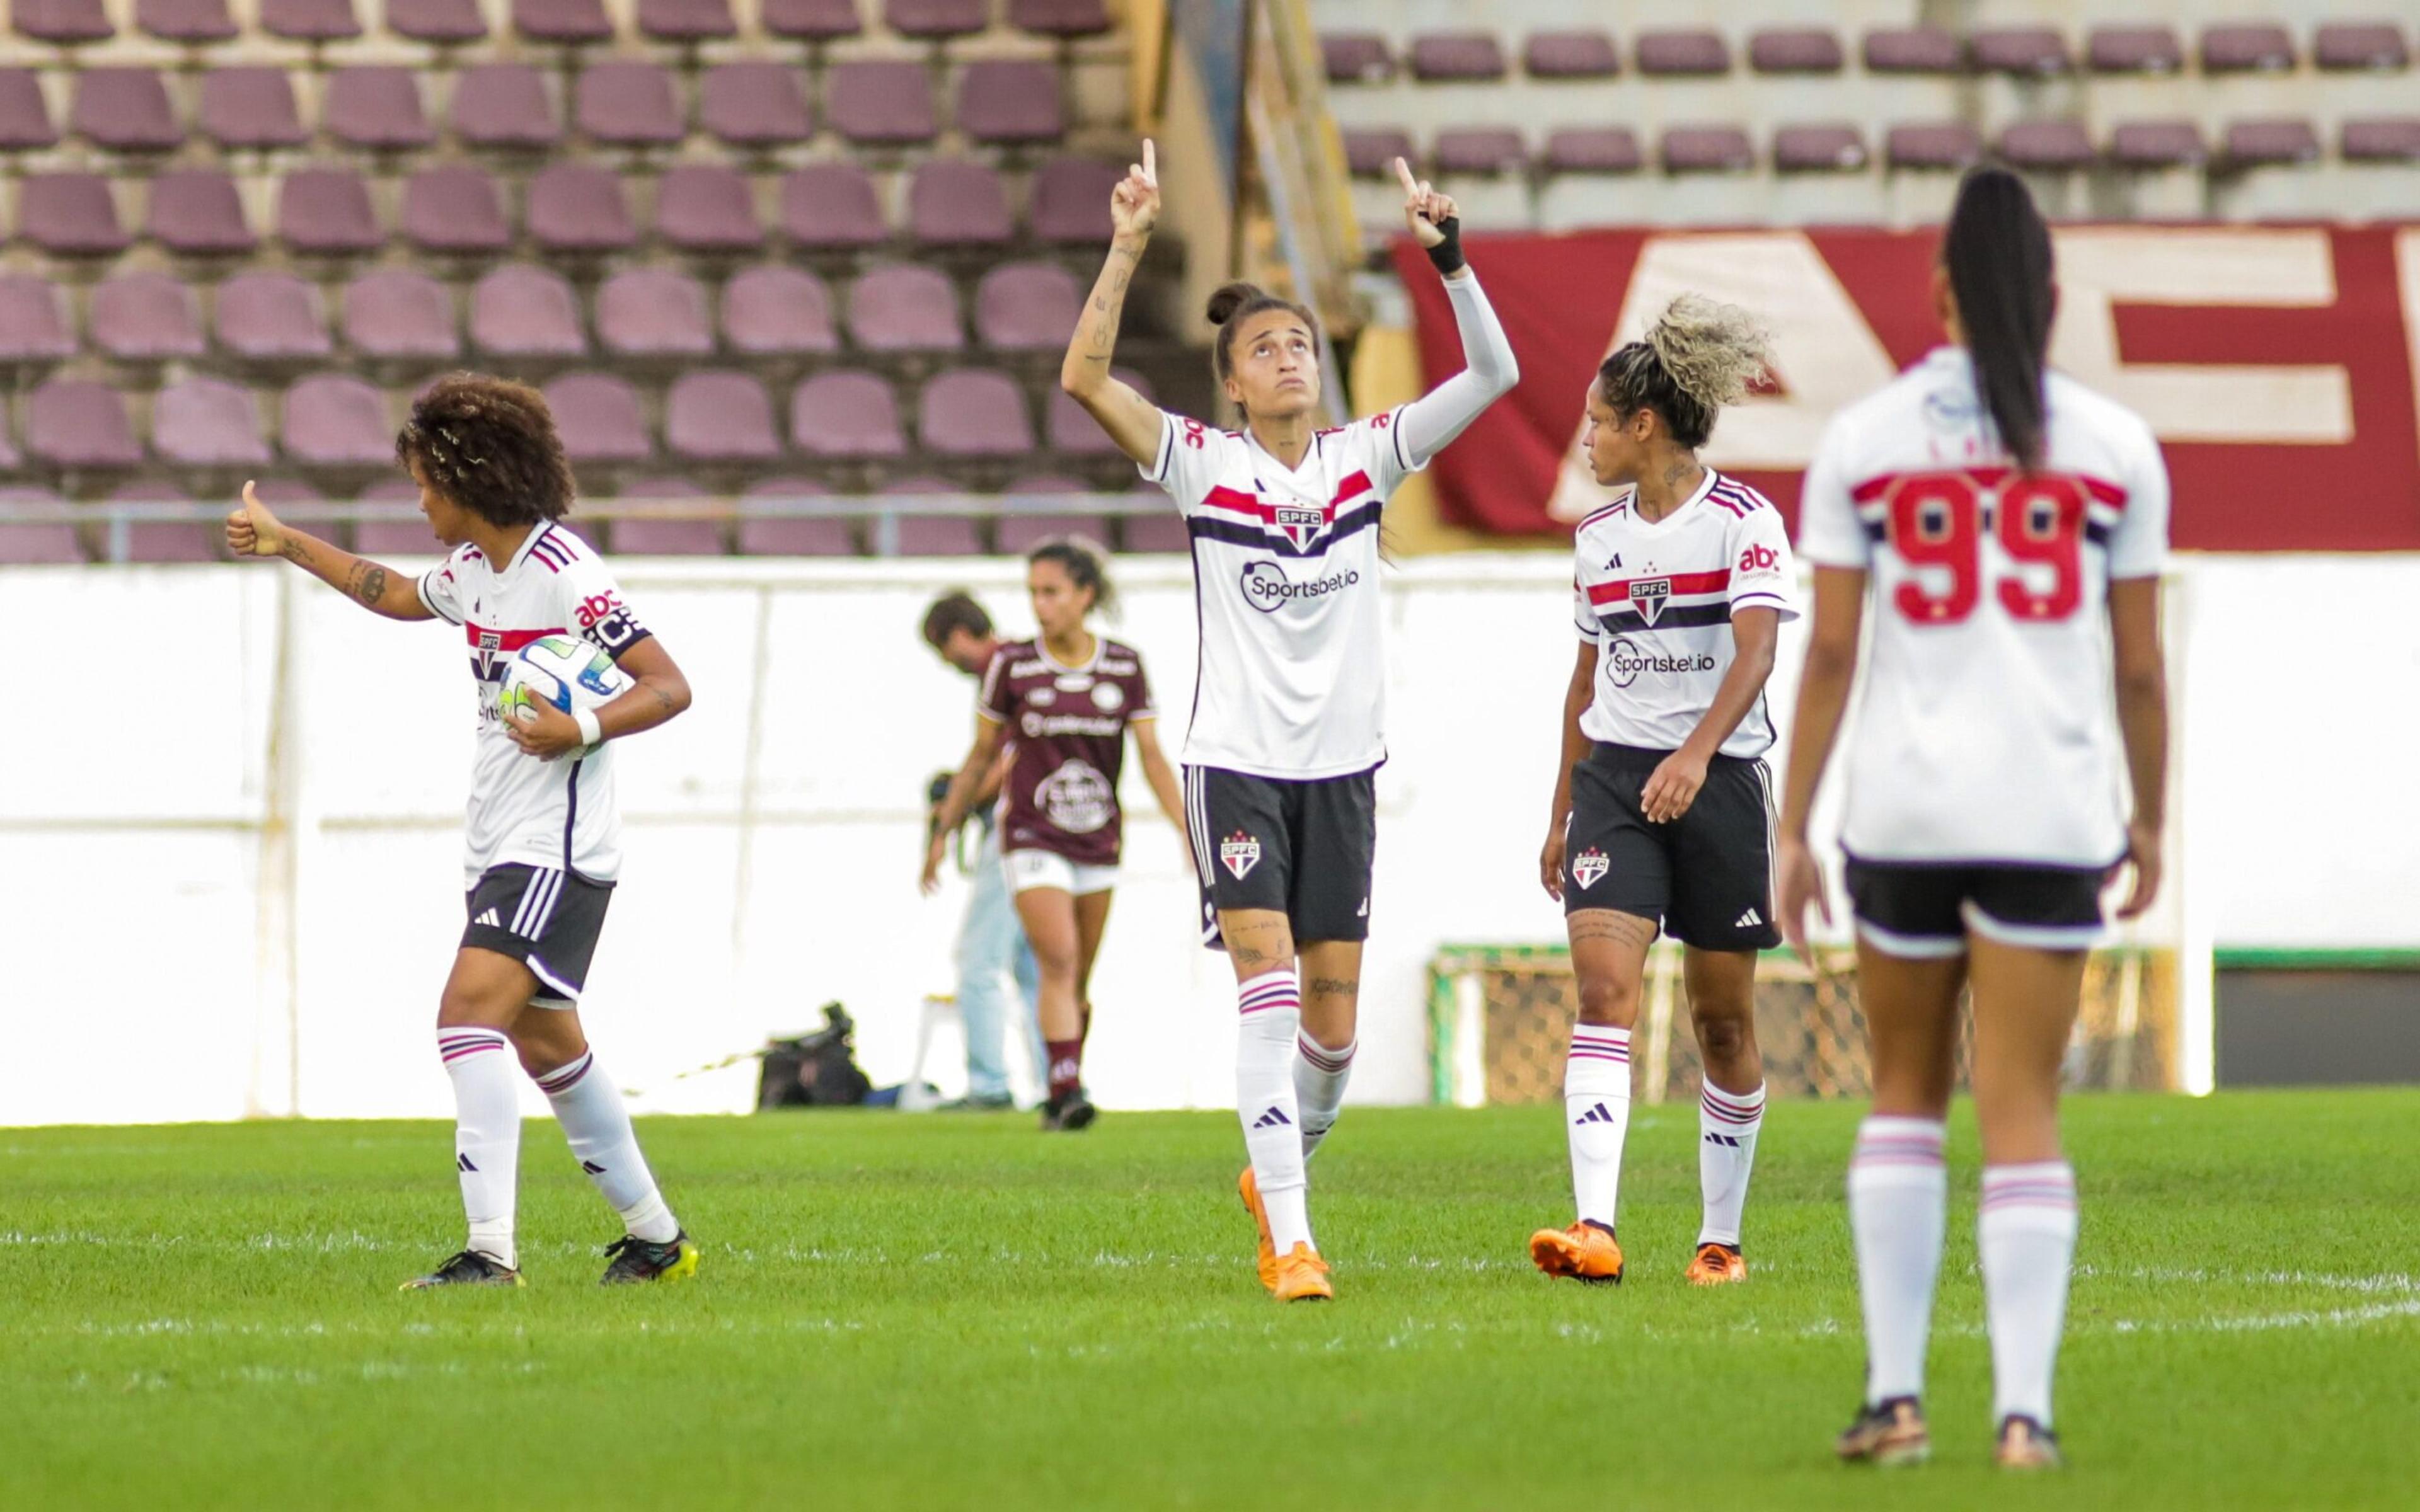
{"x": 2005, "y": 527}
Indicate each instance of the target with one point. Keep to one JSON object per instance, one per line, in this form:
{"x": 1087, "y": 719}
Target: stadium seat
{"x": 1682, "y": 51}
{"x": 1479, "y": 150}
{"x": 881, "y": 103}
{"x": 1796, "y": 50}
{"x": 437, "y": 20}
{"x": 206, "y": 422}
{"x": 1065, "y": 19}
{"x": 1355, "y": 57}
{"x": 78, "y": 423}
{"x": 846, "y": 415}
{"x": 628, "y": 104}
{"x": 954, "y": 203}
{"x": 562, "y": 20}
{"x": 600, "y": 417}
{"x": 687, "y": 21}
{"x": 377, "y": 108}
{"x": 830, "y": 207}
{"x": 124, "y": 110}
{"x": 653, "y": 312}
{"x": 1475, "y": 57}
{"x": 310, "y": 21}
{"x": 502, "y": 105}
{"x": 1832, "y": 147}
{"x": 778, "y": 311}
{"x": 1594, "y": 149}
{"x": 1163, "y": 532}
{"x": 61, "y": 22}
{"x": 1069, "y": 201}
{"x": 2260, "y": 143}
{"x": 1010, "y": 102}
{"x": 1933, "y": 145}
{"x": 2047, "y": 146}
{"x": 812, "y": 21}
{"x": 905, "y": 308}
{"x": 754, "y": 105}
{"x": 1071, "y": 428}
{"x": 639, "y": 536}
{"x": 935, "y": 19}
{"x": 24, "y": 114}
{"x": 1706, "y": 149}
{"x": 69, "y": 215}
{"x": 2018, "y": 49}
{"x": 707, "y": 206}
{"x": 1371, "y": 153}
{"x": 517, "y": 310}
{"x": 934, "y": 535}
{"x": 454, "y": 209}
{"x": 2380, "y": 139}
{"x": 720, "y": 417}
{"x": 1027, "y": 307}
{"x": 579, "y": 207}
{"x": 2168, "y": 144}
{"x": 33, "y": 321}
{"x": 31, "y": 544}
{"x": 146, "y": 317}
{"x": 761, "y": 534}
{"x": 392, "y": 523}
{"x": 1913, "y": 49}
{"x": 196, "y": 212}
{"x": 185, "y": 21}
{"x": 1016, "y": 532}
{"x": 1570, "y": 55}
{"x": 2246, "y": 48}
{"x": 2134, "y": 50}
{"x": 271, "y": 316}
{"x": 250, "y": 107}
{"x": 2344, "y": 45}
{"x": 327, "y": 210}
{"x": 166, "y": 540}
{"x": 336, "y": 420}
{"x": 395, "y": 313}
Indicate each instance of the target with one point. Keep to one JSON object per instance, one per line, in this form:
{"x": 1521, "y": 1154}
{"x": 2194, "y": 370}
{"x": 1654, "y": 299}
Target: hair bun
{"x": 1713, "y": 351}
{"x": 1230, "y": 299}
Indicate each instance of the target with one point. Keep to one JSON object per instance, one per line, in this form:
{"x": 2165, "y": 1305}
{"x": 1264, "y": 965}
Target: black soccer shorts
{"x": 1924, "y": 910}
{"x": 1303, "y": 849}
{"x": 1705, "y": 877}
{"x": 545, "y": 917}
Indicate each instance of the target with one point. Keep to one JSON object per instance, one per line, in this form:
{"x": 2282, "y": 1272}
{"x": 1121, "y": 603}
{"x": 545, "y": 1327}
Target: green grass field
{"x": 957, "y": 1312}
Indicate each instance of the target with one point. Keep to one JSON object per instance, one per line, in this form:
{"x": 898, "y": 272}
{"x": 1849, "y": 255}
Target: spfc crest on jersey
{"x": 1239, "y": 853}
{"x": 1301, "y": 525}
{"x": 1590, "y": 867}
{"x": 1648, "y": 595}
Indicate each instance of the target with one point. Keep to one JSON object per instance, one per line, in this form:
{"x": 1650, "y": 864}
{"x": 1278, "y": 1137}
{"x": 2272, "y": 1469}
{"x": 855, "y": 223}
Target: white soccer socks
{"x": 1596, "y": 1105}
{"x": 1319, "y": 1077}
{"x": 1728, "y": 1124}
{"x": 486, "y": 1134}
{"x": 2027, "y": 1233}
{"x": 1270, "y": 1019}
{"x": 590, "y": 1109}
{"x": 1898, "y": 1203}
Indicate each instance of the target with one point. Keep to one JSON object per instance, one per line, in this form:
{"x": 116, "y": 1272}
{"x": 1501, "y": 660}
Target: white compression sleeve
{"x": 1442, "y": 413}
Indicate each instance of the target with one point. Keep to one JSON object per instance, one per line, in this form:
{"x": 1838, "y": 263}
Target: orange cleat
{"x": 1716, "y": 1265}
{"x": 1301, "y": 1276}
{"x": 1584, "y": 1252}
{"x": 1249, "y": 1191}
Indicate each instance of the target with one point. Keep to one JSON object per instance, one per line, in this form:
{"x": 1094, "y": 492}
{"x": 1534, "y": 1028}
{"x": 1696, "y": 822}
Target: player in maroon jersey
{"x": 1066, "y": 701}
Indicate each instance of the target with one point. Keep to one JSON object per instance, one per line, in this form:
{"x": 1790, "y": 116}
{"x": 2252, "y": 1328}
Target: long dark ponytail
{"x": 1996, "y": 252}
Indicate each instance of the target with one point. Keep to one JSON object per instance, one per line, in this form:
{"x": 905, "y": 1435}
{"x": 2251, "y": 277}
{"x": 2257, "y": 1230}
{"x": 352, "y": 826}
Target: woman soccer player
{"x": 1066, "y": 701}
{"x": 1662, "y": 813}
{"x": 542, "y": 836}
{"x": 1289, "y": 710}
{"x": 2010, "y": 524}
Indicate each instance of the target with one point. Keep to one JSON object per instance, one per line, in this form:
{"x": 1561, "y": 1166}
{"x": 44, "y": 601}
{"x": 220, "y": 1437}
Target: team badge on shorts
{"x": 1590, "y": 867}
{"x": 1239, "y": 853}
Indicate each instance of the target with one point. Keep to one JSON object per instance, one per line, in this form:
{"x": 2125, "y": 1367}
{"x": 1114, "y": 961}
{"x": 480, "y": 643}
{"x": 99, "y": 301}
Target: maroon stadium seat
{"x": 2360, "y": 45}
{"x": 1481, "y": 149}
{"x": 954, "y": 203}
{"x": 2051, "y": 146}
{"x": 185, "y": 21}
{"x": 522, "y": 310}
{"x": 2380, "y": 139}
{"x": 1707, "y": 149}
{"x": 1070, "y": 200}
{"x": 1683, "y": 51}
{"x": 327, "y": 210}
{"x": 61, "y": 20}
{"x": 2170, "y": 143}
{"x": 125, "y": 110}
{"x": 206, "y": 422}
{"x": 831, "y": 207}
{"x": 790, "y": 535}
{"x": 1831, "y": 147}
{"x": 1570, "y": 55}
{"x": 812, "y": 21}
{"x": 271, "y": 316}
{"x": 905, "y": 308}
{"x": 31, "y": 544}
{"x": 1065, "y": 19}
{"x": 1457, "y": 56}
{"x": 845, "y": 414}
{"x": 147, "y": 317}
{"x": 454, "y": 209}
{"x": 707, "y": 206}
{"x": 1594, "y": 149}
{"x": 309, "y": 20}
{"x": 502, "y": 105}
{"x": 396, "y": 314}
{"x": 2134, "y": 50}
{"x": 2262, "y": 47}
{"x": 377, "y": 108}
{"x": 1796, "y": 50}
{"x": 720, "y": 417}
{"x": 1371, "y": 153}
{"x": 2274, "y": 141}
{"x": 881, "y": 103}
{"x": 1027, "y": 307}
{"x": 69, "y": 215}
{"x": 393, "y": 525}
{"x": 436, "y": 21}
{"x": 687, "y": 21}
{"x": 337, "y": 419}
{"x": 754, "y": 105}
{"x": 653, "y": 312}
{"x": 250, "y": 107}
{"x": 166, "y": 540}
{"x": 1017, "y": 532}
{"x": 77, "y": 422}
{"x": 195, "y": 211}
{"x": 24, "y": 114}
{"x": 778, "y": 311}
{"x": 934, "y": 18}
{"x": 1010, "y": 102}
{"x": 1158, "y": 533}
{"x": 1072, "y": 428}
{"x": 579, "y": 206}
{"x": 628, "y": 104}
{"x": 600, "y": 417}
{"x": 2019, "y": 49}
{"x": 33, "y": 321}
{"x": 562, "y": 20}
{"x": 1355, "y": 57}
{"x": 640, "y": 536}
{"x": 1932, "y": 145}
{"x": 1913, "y": 49}
{"x": 933, "y": 535}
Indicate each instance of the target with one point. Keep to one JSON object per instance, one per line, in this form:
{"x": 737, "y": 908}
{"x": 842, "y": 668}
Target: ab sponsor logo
{"x": 1758, "y": 558}
{"x": 1267, "y": 589}
{"x": 1239, "y": 853}
{"x": 1590, "y": 867}
{"x": 1626, "y": 660}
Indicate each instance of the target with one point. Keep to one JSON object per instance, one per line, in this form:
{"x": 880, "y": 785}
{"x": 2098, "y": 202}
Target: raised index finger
{"x": 1150, "y": 162}
{"x": 1404, "y": 176}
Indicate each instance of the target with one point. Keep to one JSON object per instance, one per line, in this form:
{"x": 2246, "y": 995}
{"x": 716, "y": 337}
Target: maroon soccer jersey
{"x": 1067, "y": 728}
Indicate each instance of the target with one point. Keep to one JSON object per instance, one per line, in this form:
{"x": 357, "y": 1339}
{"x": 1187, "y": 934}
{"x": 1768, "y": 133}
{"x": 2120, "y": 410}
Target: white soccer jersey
{"x": 1987, "y": 728}
{"x": 1657, "y": 597}
{"x": 1293, "y": 680}
{"x": 560, "y": 813}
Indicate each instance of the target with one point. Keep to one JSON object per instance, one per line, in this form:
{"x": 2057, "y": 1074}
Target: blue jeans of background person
{"x": 992, "y": 948}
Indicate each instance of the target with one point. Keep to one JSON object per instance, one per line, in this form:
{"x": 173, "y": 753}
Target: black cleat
{"x": 1888, "y": 1433}
{"x": 467, "y": 1267}
{"x": 637, "y": 1260}
{"x": 2025, "y": 1445}
{"x": 1068, "y": 1113}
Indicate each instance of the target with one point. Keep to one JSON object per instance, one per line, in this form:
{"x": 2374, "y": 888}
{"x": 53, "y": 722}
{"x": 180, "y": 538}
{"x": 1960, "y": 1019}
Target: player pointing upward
{"x": 1289, "y": 710}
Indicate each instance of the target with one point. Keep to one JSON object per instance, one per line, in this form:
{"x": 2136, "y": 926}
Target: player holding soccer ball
{"x": 542, "y": 833}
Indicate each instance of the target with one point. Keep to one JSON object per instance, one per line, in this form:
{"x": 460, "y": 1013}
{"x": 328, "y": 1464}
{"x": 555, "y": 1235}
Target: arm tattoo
{"x": 373, "y": 586}
{"x": 663, "y": 699}
{"x": 292, "y": 548}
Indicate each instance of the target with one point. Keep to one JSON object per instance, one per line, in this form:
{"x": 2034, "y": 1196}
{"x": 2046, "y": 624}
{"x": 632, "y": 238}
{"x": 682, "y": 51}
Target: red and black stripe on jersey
{"x": 2105, "y": 501}
{"x": 1633, "y": 606}
{"x": 1292, "y": 529}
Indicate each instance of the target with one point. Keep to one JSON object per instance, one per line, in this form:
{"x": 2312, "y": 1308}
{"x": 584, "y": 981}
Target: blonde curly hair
{"x": 1698, "y": 357}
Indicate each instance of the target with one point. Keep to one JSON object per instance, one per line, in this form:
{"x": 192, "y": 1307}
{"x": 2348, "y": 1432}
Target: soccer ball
{"x": 567, "y": 673}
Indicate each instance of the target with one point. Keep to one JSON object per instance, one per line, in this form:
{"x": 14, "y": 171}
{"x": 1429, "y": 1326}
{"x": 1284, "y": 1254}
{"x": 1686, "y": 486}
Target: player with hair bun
{"x": 1662, "y": 813}
{"x": 1289, "y": 710}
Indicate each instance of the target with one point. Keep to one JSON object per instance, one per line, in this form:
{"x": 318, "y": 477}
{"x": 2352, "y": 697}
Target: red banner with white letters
{"x": 2276, "y": 364}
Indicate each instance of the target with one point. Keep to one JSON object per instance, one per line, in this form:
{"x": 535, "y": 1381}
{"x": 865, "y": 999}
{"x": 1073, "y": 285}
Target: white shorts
{"x": 1048, "y": 869}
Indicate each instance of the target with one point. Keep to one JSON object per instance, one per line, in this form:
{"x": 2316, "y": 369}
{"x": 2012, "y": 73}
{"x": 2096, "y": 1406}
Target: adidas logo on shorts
{"x": 489, "y": 920}
{"x": 1748, "y": 920}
